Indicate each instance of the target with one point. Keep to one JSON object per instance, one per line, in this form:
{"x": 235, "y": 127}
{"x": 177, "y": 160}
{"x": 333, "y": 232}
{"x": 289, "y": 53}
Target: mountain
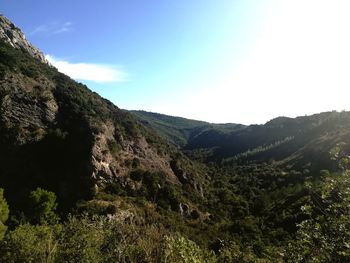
{"x": 301, "y": 142}
{"x": 57, "y": 134}
{"x": 181, "y": 131}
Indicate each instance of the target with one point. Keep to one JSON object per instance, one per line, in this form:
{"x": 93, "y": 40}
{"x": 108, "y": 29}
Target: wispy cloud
{"x": 52, "y": 28}
{"x": 39, "y": 29}
{"x": 87, "y": 71}
{"x": 67, "y": 26}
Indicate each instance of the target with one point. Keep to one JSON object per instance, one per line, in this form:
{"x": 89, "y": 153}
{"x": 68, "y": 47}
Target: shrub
{"x": 28, "y": 243}
{"x": 80, "y": 240}
{"x": 179, "y": 249}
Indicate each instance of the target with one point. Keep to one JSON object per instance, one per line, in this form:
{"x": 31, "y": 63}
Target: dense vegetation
{"x": 302, "y": 142}
{"x": 278, "y": 192}
{"x": 181, "y": 131}
{"x": 290, "y": 219}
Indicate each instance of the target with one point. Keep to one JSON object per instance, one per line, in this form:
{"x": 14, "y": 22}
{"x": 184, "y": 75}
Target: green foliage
{"x": 30, "y": 71}
{"x": 96, "y": 207}
{"x": 42, "y": 206}
{"x": 324, "y": 236}
{"x": 113, "y": 147}
{"x": 178, "y": 130}
{"x": 132, "y": 242}
{"x": 233, "y": 253}
{"x": 80, "y": 240}
{"x": 2, "y": 72}
{"x": 4, "y": 213}
{"x": 179, "y": 249}
{"x": 28, "y": 243}
{"x": 110, "y": 239}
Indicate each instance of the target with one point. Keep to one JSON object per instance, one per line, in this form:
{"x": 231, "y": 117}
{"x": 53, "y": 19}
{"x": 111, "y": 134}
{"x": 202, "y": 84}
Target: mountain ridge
{"x": 179, "y": 130}
{"x": 281, "y": 139}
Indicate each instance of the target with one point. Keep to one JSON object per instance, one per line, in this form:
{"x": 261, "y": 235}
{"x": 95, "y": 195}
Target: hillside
{"x": 57, "y": 134}
{"x": 181, "y": 131}
{"x": 301, "y": 142}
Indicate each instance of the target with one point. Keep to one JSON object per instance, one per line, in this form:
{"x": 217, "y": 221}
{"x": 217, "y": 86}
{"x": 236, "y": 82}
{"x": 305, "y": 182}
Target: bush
{"x": 80, "y": 240}
{"x": 178, "y": 249}
{"x": 28, "y": 243}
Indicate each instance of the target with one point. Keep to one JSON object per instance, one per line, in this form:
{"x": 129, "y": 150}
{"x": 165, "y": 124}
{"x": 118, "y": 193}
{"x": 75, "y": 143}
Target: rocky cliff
{"x": 14, "y": 36}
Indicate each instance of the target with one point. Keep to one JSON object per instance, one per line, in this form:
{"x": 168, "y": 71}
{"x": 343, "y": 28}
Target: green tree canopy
{"x": 325, "y": 235}
{"x": 4, "y": 213}
{"x": 42, "y": 206}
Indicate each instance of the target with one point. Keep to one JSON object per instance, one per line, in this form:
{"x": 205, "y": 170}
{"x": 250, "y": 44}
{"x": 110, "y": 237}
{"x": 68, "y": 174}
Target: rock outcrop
{"x": 15, "y": 37}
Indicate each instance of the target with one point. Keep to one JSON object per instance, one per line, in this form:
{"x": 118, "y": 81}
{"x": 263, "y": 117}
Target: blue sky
{"x": 220, "y": 61}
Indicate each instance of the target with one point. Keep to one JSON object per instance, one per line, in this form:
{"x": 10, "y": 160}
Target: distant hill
{"x": 181, "y": 131}
{"x": 302, "y": 141}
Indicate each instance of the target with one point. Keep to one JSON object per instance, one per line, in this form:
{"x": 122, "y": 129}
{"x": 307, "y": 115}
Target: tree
{"x": 4, "y": 213}
{"x": 42, "y": 206}
{"x": 325, "y": 235}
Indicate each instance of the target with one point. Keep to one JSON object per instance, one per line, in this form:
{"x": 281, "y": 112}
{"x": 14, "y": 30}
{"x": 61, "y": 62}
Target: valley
{"x": 85, "y": 181}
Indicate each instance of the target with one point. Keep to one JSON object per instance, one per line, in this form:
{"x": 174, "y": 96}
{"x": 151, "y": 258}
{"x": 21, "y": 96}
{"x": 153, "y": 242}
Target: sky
{"x": 238, "y": 61}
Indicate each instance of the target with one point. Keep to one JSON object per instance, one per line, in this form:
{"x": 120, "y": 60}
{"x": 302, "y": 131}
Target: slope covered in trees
{"x": 180, "y": 131}
{"x": 58, "y": 135}
{"x": 300, "y": 142}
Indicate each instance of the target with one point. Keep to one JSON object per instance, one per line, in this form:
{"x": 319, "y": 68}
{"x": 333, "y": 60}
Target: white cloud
{"x": 87, "y": 71}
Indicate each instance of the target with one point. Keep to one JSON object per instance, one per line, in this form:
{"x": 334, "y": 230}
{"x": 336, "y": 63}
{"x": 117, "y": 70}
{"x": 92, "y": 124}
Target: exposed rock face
{"x": 110, "y": 164}
{"x": 26, "y": 104}
{"x": 14, "y": 36}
